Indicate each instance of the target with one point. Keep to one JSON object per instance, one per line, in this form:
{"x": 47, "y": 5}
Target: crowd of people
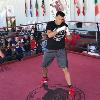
{"x": 20, "y": 46}
{"x": 23, "y": 44}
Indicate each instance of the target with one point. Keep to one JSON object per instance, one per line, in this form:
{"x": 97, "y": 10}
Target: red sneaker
{"x": 71, "y": 91}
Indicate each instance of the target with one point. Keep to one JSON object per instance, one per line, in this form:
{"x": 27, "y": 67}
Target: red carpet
{"x": 24, "y": 76}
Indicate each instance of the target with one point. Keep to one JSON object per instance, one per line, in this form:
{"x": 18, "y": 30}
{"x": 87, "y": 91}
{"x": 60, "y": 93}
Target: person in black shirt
{"x": 57, "y": 30}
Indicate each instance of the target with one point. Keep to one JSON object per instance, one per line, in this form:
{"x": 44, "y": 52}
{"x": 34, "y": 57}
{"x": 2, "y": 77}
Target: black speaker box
{"x": 98, "y": 36}
{"x": 79, "y": 25}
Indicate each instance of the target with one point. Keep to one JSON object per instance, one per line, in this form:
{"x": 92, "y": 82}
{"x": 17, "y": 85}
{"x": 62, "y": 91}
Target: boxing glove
{"x": 61, "y": 29}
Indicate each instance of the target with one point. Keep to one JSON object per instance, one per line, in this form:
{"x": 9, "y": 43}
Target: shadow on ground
{"x": 55, "y": 92}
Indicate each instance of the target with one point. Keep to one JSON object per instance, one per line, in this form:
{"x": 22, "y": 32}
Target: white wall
{"x": 19, "y": 11}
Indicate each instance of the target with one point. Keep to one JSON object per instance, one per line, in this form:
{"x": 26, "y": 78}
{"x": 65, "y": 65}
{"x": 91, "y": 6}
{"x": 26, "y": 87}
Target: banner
{"x": 31, "y": 8}
{"x": 36, "y": 6}
{"x": 84, "y": 7}
{"x": 96, "y": 7}
{"x": 60, "y": 5}
{"x": 77, "y": 7}
{"x": 43, "y": 8}
{"x": 26, "y": 9}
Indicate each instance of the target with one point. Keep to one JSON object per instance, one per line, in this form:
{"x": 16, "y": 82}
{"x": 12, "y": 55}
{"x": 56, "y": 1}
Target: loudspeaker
{"x": 98, "y": 39}
{"x": 98, "y": 36}
{"x": 79, "y": 25}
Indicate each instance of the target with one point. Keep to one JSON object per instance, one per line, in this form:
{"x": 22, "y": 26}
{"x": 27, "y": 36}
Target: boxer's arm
{"x": 53, "y": 33}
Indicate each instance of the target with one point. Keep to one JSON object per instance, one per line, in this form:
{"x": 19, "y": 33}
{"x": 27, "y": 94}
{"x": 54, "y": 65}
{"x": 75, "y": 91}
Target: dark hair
{"x": 60, "y": 13}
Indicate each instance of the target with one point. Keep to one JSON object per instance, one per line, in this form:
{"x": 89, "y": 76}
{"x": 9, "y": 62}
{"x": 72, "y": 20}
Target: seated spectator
{"x": 19, "y": 53}
{"x": 6, "y": 42}
{"x": 32, "y": 44}
{"x": 13, "y": 42}
{"x": 32, "y": 30}
{"x": 26, "y": 44}
{"x": 44, "y": 42}
{"x": 8, "y": 54}
{"x": 38, "y": 38}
